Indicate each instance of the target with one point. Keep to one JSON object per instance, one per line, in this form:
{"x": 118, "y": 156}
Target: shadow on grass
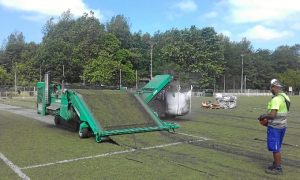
{"x": 75, "y": 133}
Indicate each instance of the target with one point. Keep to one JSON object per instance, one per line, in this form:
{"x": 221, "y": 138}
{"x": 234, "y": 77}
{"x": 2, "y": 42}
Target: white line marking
{"x": 204, "y": 138}
{"x": 110, "y": 154}
{"x": 15, "y": 168}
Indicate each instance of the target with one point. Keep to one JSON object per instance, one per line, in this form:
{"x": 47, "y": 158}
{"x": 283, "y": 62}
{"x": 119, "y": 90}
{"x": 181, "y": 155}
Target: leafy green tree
{"x": 141, "y": 49}
{"x": 71, "y": 43}
{"x": 286, "y": 57}
{"x": 125, "y": 56}
{"x": 3, "y": 57}
{"x": 128, "y": 75}
{"x": 56, "y": 49}
{"x": 4, "y": 76}
{"x": 110, "y": 44}
{"x": 119, "y": 26}
{"x": 233, "y": 52}
{"x": 258, "y": 69}
{"x": 13, "y": 50}
{"x": 291, "y": 78}
{"x": 197, "y": 56}
{"x": 104, "y": 70}
{"x": 100, "y": 70}
{"x": 89, "y": 38}
{"x": 27, "y": 75}
{"x": 196, "y": 52}
{"x": 48, "y": 27}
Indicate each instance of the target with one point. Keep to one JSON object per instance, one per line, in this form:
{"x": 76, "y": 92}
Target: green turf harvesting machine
{"x": 166, "y": 97}
{"x": 153, "y": 93}
{"x": 102, "y": 113}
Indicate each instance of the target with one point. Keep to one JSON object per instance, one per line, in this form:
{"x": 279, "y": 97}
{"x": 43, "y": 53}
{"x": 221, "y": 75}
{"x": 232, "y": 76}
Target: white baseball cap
{"x": 275, "y": 82}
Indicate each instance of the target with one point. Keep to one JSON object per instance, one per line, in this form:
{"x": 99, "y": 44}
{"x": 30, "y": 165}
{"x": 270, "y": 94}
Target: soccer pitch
{"x": 210, "y": 144}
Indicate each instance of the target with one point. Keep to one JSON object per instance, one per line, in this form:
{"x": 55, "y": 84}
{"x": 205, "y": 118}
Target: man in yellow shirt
{"x": 276, "y": 122}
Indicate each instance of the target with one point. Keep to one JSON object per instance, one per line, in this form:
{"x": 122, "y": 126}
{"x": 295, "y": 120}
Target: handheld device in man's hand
{"x": 263, "y": 120}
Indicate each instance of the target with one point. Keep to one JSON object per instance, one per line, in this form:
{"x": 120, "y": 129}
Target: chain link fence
{"x": 9, "y": 92}
{"x": 234, "y": 92}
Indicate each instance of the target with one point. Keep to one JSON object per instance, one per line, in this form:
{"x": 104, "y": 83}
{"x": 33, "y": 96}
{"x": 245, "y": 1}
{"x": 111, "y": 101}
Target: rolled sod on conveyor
{"x": 116, "y": 109}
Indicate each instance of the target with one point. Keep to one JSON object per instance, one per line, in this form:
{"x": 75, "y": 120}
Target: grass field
{"x": 26, "y": 102}
{"x": 210, "y": 144}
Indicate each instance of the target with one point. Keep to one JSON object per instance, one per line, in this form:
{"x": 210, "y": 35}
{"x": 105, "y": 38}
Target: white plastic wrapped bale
{"x": 178, "y": 103}
{"x": 226, "y": 101}
{"x": 218, "y": 96}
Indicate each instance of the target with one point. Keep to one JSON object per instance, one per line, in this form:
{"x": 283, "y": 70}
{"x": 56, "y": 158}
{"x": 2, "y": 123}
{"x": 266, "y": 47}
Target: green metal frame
{"x": 72, "y": 104}
{"x": 85, "y": 115}
{"x": 41, "y": 104}
{"x": 158, "y": 83}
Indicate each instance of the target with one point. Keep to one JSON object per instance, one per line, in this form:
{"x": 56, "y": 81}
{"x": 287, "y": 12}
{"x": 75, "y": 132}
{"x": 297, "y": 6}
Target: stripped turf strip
{"x": 113, "y": 153}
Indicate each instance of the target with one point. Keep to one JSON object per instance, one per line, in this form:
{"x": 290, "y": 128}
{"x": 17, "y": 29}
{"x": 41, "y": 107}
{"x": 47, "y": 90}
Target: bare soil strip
{"x": 31, "y": 113}
{"x": 113, "y": 153}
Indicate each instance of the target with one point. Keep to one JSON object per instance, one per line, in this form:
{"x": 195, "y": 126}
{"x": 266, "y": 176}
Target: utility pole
{"x": 14, "y": 64}
{"x": 224, "y": 84}
{"x": 242, "y": 55}
{"x": 40, "y": 73}
{"x": 63, "y": 78}
{"x": 245, "y": 83}
{"x": 16, "y": 80}
{"x": 120, "y": 78}
{"x": 151, "y": 51}
{"x": 214, "y": 83}
{"x": 136, "y": 82}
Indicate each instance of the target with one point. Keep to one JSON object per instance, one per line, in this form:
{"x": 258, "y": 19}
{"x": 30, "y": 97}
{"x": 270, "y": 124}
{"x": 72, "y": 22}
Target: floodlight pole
{"x": 242, "y": 79}
{"x": 16, "y": 80}
{"x": 245, "y": 83}
{"x": 40, "y": 73}
{"x": 224, "y": 83}
{"x": 136, "y": 83}
{"x": 151, "y": 51}
{"x": 214, "y": 82}
{"x": 120, "y": 78}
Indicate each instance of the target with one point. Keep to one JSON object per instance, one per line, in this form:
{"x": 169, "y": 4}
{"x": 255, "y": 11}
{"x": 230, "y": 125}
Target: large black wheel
{"x": 74, "y": 126}
{"x": 85, "y": 133}
{"x": 57, "y": 120}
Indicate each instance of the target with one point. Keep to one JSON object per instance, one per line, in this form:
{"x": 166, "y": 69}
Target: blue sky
{"x": 267, "y": 24}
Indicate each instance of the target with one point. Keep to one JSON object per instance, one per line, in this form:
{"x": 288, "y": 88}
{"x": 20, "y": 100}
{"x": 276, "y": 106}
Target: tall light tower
{"x": 151, "y": 51}
{"x": 16, "y": 79}
{"x": 242, "y": 79}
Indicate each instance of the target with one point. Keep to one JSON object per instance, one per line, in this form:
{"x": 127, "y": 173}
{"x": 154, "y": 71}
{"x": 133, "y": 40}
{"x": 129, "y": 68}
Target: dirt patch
{"x": 256, "y": 156}
{"x": 31, "y": 113}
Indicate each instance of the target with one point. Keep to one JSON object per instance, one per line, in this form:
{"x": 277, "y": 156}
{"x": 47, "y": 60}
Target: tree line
{"x": 85, "y": 50}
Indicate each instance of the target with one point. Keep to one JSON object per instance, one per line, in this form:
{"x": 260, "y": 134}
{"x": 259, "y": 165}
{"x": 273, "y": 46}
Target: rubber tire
{"x": 85, "y": 133}
{"x": 75, "y": 127}
{"x": 57, "y": 120}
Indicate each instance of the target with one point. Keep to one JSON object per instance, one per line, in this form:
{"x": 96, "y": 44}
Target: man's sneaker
{"x": 274, "y": 170}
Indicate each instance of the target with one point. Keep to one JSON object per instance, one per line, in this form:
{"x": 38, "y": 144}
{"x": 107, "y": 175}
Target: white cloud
{"x": 187, "y": 6}
{"x": 226, "y": 33}
{"x": 49, "y": 7}
{"x": 179, "y": 9}
{"x": 260, "y": 32}
{"x": 211, "y": 14}
{"x": 172, "y": 16}
{"x": 34, "y": 17}
{"x": 296, "y": 26}
{"x": 245, "y": 11}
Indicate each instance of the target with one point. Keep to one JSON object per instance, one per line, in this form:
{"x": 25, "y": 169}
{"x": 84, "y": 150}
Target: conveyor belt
{"x": 116, "y": 109}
